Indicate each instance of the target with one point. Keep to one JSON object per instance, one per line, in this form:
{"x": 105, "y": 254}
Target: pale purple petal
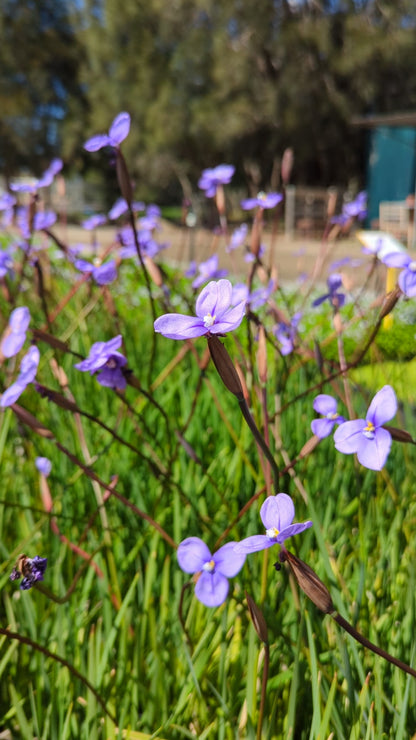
{"x": 325, "y": 404}
{"x": 373, "y": 453}
{"x": 105, "y": 274}
{"x": 407, "y": 282}
{"x": 19, "y": 319}
{"x": 322, "y": 427}
{"x": 291, "y": 530}
{"x": 254, "y": 544}
{"x": 97, "y": 142}
{"x": 277, "y": 512}
{"x": 192, "y": 553}
{"x": 349, "y": 436}
{"x": 119, "y": 129}
{"x": 12, "y": 393}
{"x": 44, "y": 465}
{"x": 230, "y": 320}
{"x": 13, "y": 343}
{"x": 227, "y": 561}
{"x": 178, "y": 326}
{"x": 396, "y": 259}
{"x": 211, "y": 589}
{"x": 383, "y": 406}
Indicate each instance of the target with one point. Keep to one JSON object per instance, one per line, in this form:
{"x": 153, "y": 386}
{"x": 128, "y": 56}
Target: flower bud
{"x": 309, "y": 582}
{"x": 259, "y": 622}
{"x": 224, "y": 366}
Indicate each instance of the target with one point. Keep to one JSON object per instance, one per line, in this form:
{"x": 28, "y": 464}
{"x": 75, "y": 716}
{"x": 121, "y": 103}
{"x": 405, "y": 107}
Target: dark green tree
{"x": 39, "y": 88}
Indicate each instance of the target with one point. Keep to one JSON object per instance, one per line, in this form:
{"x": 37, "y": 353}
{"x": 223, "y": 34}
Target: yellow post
{"x": 391, "y": 279}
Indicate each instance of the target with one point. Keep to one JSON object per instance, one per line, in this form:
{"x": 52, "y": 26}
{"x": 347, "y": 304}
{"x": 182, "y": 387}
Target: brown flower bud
{"x": 31, "y": 421}
{"x": 224, "y": 366}
{"x": 259, "y": 622}
{"x": 262, "y": 355}
{"x": 309, "y": 582}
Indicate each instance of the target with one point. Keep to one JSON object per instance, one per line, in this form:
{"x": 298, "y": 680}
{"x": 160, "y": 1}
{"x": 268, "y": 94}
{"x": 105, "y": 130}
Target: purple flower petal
{"x": 277, "y": 512}
{"x": 12, "y": 393}
{"x": 325, "y": 404}
{"x": 349, "y": 436}
{"x": 179, "y": 326}
{"x": 105, "y": 274}
{"x": 19, "y": 319}
{"x": 407, "y": 282}
{"x": 383, "y": 406}
{"x": 291, "y": 530}
{"x": 211, "y": 588}
{"x": 322, "y": 427}
{"x": 373, "y": 453}
{"x": 44, "y": 465}
{"x": 227, "y": 561}
{"x": 192, "y": 553}
{"x": 396, "y": 259}
{"x": 119, "y": 129}
{"x": 13, "y": 343}
{"x": 254, "y": 544}
{"x": 97, "y": 142}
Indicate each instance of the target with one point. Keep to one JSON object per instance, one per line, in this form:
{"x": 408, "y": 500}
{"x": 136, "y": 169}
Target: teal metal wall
{"x": 391, "y": 166}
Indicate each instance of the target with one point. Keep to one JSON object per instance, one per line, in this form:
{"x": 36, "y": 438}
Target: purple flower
{"x": 214, "y": 570}
{"x": 32, "y": 570}
{"x": 44, "y": 220}
{"x": 103, "y": 357}
{"x": 407, "y": 277}
{"x": 263, "y": 200}
{"x": 238, "y": 237}
{"x": 250, "y": 257}
{"x": 286, "y": 333}
{"x": 336, "y": 299}
{"x": 91, "y": 223}
{"x": 356, "y": 208}
{"x": 16, "y": 332}
{"x": 215, "y": 176}
{"x": 6, "y": 263}
{"x": 118, "y": 209}
{"x": 327, "y": 407}
{"x": 27, "y": 374}
{"x": 102, "y": 274}
{"x": 215, "y": 314}
{"x": 118, "y": 131}
{"x": 260, "y": 296}
{"x": 366, "y": 436}
{"x": 43, "y": 465}
{"x": 277, "y": 514}
{"x": 208, "y": 270}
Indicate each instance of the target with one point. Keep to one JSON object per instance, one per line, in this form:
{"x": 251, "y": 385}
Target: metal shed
{"x": 391, "y": 159}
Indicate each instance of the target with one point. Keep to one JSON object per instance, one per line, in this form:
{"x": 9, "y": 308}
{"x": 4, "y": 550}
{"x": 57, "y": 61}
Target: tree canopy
{"x": 207, "y": 82}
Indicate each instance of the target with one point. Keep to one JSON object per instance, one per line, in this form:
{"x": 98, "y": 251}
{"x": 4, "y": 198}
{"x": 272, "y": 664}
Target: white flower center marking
{"x": 209, "y": 566}
{"x": 209, "y": 320}
{"x": 412, "y": 266}
{"x": 369, "y": 430}
{"x": 272, "y": 533}
{"x": 331, "y": 416}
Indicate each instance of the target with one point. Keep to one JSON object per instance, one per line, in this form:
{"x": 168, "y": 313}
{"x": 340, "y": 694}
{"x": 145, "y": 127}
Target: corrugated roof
{"x": 385, "y": 119}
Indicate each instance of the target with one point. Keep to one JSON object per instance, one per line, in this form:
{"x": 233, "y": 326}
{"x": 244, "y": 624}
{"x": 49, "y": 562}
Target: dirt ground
{"x": 292, "y": 257}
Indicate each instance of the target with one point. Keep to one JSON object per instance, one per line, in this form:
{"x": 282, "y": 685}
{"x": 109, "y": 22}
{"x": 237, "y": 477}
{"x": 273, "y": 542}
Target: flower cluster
{"x": 212, "y": 571}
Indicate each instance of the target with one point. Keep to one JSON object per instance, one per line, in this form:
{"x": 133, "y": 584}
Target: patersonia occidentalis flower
{"x": 213, "y": 177}
{"x": 215, "y": 314}
{"x": 277, "y": 514}
{"x": 104, "y": 359}
{"x": 32, "y": 570}
{"x": 366, "y": 436}
{"x": 327, "y": 407}
{"x": 118, "y": 131}
{"x": 213, "y": 571}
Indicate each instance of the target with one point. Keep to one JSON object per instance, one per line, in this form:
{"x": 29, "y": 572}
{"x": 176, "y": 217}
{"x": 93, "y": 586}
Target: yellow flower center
{"x": 272, "y": 533}
{"x": 369, "y": 430}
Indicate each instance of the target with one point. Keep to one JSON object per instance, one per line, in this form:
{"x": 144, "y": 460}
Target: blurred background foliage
{"x": 204, "y": 82}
